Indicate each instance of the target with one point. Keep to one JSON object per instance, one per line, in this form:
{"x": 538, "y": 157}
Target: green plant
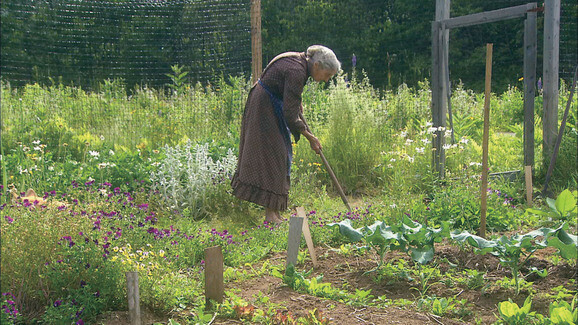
{"x": 407, "y": 236}
{"x": 188, "y": 177}
{"x": 564, "y": 313}
{"x": 512, "y": 314}
{"x": 178, "y": 78}
{"x": 564, "y": 208}
{"x": 510, "y": 250}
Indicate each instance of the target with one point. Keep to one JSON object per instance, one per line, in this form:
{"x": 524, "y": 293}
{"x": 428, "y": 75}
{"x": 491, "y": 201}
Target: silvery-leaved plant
{"x": 187, "y": 176}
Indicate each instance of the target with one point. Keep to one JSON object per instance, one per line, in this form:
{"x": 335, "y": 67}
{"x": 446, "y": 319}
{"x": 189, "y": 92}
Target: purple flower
{"x": 10, "y": 220}
{"x": 57, "y": 303}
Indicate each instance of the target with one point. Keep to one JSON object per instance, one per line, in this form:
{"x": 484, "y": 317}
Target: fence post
{"x": 133, "y": 298}
{"x": 256, "y": 45}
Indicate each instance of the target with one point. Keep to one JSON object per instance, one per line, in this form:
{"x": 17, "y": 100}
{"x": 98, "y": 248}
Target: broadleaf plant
{"x": 510, "y": 250}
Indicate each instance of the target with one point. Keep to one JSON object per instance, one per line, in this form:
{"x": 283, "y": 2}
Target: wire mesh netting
{"x": 83, "y": 42}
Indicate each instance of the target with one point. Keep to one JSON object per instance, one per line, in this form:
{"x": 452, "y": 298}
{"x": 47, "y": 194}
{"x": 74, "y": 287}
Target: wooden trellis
{"x": 440, "y": 70}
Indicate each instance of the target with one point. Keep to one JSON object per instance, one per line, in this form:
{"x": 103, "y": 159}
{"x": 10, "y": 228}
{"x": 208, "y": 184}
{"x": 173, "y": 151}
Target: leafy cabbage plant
{"x": 511, "y": 250}
{"x": 408, "y": 236}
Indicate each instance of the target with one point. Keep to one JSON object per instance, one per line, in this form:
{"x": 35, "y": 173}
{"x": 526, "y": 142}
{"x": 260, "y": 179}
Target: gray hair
{"x": 325, "y": 56}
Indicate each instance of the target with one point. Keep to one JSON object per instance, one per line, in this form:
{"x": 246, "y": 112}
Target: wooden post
{"x": 530, "y": 49}
{"x": 256, "y": 44}
{"x": 485, "y": 140}
{"x": 307, "y": 235}
{"x": 559, "y": 137}
{"x": 551, "y": 79}
{"x": 528, "y": 177}
{"x": 133, "y": 298}
{"x": 293, "y": 240}
{"x": 214, "y": 285}
{"x": 440, "y": 48}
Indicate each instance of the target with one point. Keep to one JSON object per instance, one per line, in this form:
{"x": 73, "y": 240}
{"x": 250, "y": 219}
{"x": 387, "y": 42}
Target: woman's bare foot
{"x": 278, "y": 215}
{"x": 272, "y": 216}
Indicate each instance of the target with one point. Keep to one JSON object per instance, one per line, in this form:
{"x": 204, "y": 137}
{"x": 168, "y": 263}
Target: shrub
{"x": 188, "y": 178}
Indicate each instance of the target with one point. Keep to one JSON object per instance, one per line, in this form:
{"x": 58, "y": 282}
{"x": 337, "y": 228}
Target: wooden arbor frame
{"x": 440, "y": 71}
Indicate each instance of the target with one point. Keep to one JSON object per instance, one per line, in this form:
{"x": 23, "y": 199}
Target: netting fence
{"x": 83, "y": 42}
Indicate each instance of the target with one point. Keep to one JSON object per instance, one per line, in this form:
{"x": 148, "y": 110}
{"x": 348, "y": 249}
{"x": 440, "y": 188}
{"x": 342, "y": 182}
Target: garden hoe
{"x": 335, "y": 182}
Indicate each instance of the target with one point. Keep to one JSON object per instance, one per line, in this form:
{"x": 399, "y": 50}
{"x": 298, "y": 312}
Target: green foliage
{"x": 188, "y": 178}
{"x": 512, "y": 314}
{"x": 564, "y": 208}
{"x": 510, "y": 250}
{"x": 178, "y": 79}
{"x": 408, "y": 236}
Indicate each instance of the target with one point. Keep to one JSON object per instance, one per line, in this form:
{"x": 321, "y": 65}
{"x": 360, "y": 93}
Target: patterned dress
{"x": 262, "y": 174}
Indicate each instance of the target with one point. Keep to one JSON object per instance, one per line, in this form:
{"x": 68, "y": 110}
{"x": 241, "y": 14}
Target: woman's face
{"x": 319, "y": 74}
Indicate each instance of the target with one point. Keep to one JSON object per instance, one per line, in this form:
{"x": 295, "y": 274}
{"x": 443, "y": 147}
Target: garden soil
{"x": 349, "y": 272}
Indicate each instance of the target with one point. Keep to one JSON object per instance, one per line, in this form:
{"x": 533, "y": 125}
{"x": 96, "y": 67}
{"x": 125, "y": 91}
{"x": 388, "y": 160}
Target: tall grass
{"x": 363, "y": 130}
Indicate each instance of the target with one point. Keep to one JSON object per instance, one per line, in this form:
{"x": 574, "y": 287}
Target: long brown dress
{"x": 262, "y": 174}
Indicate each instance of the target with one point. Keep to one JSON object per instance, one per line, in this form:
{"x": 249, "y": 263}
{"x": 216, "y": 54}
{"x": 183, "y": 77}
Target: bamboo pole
{"x": 485, "y": 141}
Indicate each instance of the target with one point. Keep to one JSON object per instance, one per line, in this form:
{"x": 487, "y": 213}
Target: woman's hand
{"x": 313, "y": 141}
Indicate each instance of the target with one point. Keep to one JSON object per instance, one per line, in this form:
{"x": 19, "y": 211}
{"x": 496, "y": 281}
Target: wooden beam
{"x": 488, "y": 16}
{"x": 530, "y": 58}
{"x": 551, "y": 78}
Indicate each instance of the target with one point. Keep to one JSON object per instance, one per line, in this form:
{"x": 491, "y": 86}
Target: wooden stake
{"x": 294, "y": 239}
{"x": 214, "y": 286}
{"x": 528, "y": 174}
{"x": 485, "y": 140}
{"x": 307, "y": 235}
{"x": 133, "y": 298}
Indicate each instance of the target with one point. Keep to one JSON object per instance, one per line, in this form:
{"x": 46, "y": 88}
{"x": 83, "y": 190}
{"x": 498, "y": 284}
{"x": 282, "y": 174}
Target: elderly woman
{"x": 272, "y": 113}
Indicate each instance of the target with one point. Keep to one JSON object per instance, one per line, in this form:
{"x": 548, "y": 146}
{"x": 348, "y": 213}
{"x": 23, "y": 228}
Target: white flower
{"x": 448, "y": 133}
{"x": 464, "y": 140}
{"x": 111, "y": 153}
{"x": 432, "y": 130}
{"x": 420, "y": 150}
{"x": 94, "y": 154}
{"x": 410, "y": 158}
{"x": 392, "y": 160}
{"x": 51, "y": 168}
{"x": 408, "y": 142}
{"x": 37, "y": 142}
{"x": 426, "y": 141}
{"x": 403, "y": 134}
{"x": 102, "y": 137}
{"x": 37, "y": 148}
{"x": 393, "y": 206}
{"x": 447, "y": 146}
